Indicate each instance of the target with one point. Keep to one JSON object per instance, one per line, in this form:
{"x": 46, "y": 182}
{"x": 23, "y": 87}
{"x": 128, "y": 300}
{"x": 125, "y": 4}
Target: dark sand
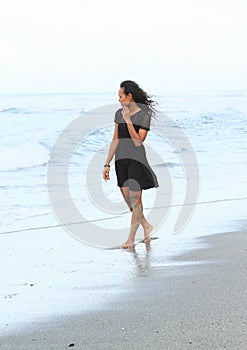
{"x": 187, "y": 306}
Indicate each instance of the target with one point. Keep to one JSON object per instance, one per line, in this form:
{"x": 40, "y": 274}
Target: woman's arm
{"x": 137, "y": 137}
{"x": 111, "y": 152}
{"x": 113, "y": 145}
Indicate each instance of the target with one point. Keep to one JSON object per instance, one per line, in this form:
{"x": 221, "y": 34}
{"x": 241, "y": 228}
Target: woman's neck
{"x": 133, "y": 108}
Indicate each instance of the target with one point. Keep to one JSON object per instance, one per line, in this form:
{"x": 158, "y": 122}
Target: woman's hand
{"x": 106, "y": 173}
{"x": 126, "y": 114}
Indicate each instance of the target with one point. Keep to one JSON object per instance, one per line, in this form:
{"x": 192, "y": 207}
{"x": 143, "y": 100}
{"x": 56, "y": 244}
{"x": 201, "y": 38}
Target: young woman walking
{"x": 134, "y": 174}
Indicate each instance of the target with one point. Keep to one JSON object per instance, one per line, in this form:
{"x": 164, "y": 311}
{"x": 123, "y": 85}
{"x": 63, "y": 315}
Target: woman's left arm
{"x": 137, "y": 137}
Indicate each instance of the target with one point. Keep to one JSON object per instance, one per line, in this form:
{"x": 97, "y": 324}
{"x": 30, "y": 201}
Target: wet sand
{"x": 199, "y": 302}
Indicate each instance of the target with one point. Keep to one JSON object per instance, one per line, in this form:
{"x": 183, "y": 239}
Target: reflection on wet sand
{"x": 142, "y": 260}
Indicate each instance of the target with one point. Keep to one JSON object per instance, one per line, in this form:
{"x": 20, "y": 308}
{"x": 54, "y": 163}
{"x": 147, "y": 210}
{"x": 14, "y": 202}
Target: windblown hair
{"x": 142, "y": 99}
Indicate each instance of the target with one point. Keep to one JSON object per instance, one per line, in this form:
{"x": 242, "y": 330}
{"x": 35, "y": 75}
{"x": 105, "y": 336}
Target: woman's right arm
{"x": 111, "y": 152}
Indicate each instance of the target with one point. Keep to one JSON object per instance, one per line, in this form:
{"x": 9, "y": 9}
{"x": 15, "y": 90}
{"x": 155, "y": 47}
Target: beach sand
{"x": 199, "y": 302}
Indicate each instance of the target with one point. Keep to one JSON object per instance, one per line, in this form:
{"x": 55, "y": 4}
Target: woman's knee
{"x": 125, "y": 194}
{"x": 124, "y": 191}
{"x": 135, "y": 198}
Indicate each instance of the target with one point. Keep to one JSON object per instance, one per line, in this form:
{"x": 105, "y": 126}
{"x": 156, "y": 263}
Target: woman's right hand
{"x": 106, "y": 173}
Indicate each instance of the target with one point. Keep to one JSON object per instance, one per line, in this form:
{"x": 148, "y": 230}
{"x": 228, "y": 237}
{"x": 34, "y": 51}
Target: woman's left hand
{"x": 106, "y": 173}
{"x": 126, "y": 114}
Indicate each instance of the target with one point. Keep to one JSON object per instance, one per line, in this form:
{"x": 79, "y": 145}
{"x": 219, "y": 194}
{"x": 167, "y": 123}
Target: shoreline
{"x": 197, "y": 303}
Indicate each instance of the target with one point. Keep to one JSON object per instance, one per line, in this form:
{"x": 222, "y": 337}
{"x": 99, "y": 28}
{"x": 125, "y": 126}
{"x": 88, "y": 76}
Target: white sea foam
{"x": 22, "y": 155}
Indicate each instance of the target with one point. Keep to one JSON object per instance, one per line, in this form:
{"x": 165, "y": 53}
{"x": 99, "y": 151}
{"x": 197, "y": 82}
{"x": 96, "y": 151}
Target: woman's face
{"x": 124, "y": 100}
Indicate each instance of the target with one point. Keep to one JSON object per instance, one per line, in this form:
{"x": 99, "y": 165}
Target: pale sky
{"x": 92, "y": 45}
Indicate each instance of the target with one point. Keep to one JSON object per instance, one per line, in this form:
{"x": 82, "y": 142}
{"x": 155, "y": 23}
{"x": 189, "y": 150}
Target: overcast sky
{"x": 92, "y": 45}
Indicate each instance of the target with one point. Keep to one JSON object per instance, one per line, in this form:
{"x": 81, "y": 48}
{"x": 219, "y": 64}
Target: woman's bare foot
{"x": 129, "y": 244}
{"x": 147, "y": 231}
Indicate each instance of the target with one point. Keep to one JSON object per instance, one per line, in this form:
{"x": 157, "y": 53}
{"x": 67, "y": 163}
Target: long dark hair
{"x": 141, "y": 98}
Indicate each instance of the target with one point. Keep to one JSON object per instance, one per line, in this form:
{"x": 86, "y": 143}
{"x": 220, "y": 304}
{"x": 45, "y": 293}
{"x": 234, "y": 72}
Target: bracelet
{"x": 107, "y": 165}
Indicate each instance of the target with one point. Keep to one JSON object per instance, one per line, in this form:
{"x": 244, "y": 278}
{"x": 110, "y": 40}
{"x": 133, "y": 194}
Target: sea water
{"x": 214, "y": 122}
{"x": 44, "y": 271}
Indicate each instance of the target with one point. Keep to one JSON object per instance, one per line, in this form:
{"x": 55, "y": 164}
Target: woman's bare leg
{"x": 147, "y": 227}
{"x": 137, "y": 212}
{"x": 134, "y": 202}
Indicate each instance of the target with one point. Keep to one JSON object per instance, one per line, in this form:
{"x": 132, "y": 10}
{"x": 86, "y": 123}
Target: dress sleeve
{"x": 117, "y": 118}
{"x": 145, "y": 121}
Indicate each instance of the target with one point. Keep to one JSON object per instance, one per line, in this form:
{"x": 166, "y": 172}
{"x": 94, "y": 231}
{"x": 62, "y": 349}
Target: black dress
{"x": 131, "y": 165}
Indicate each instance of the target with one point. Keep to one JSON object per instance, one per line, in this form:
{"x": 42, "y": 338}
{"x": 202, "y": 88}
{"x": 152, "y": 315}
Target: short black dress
{"x": 131, "y": 165}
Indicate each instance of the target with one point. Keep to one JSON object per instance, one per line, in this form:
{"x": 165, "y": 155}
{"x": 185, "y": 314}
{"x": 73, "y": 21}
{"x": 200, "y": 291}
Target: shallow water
{"x": 44, "y": 270}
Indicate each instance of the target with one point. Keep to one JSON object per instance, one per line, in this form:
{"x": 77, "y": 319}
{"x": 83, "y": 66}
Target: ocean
{"x": 199, "y": 148}
{"x": 215, "y": 123}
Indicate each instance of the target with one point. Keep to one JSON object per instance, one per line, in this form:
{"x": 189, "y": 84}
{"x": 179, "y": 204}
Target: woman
{"x": 134, "y": 174}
